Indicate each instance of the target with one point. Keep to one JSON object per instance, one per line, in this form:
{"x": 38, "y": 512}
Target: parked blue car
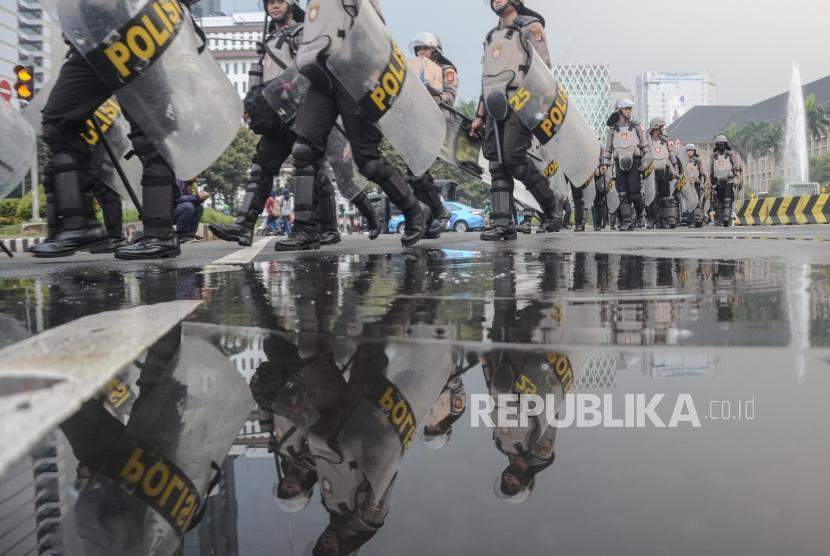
{"x": 464, "y": 219}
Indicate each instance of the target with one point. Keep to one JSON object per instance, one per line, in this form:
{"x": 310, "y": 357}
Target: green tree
{"x": 230, "y": 171}
{"x": 820, "y": 169}
{"x": 467, "y": 107}
{"x": 818, "y": 118}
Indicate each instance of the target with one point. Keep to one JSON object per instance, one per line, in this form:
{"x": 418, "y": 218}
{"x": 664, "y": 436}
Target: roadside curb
{"x": 20, "y": 244}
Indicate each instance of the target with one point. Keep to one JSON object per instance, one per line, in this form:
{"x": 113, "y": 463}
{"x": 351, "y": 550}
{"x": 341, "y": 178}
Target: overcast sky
{"x": 748, "y": 46}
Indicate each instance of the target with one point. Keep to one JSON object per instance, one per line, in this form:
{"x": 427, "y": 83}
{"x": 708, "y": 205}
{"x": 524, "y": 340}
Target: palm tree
{"x": 756, "y": 139}
{"x": 818, "y": 118}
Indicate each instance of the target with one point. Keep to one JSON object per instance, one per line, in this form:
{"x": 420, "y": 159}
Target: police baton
{"x": 118, "y": 168}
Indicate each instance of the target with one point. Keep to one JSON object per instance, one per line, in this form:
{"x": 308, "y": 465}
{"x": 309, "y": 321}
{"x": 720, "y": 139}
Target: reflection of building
{"x": 217, "y": 532}
{"x": 701, "y": 124}
{"x": 673, "y": 364}
{"x": 206, "y": 8}
{"x": 670, "y": 95}
{"x": 33, "y": 500}
{"x": 589, "y": 87}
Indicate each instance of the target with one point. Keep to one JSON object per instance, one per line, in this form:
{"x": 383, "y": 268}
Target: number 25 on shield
{"x": 520, "y": 99}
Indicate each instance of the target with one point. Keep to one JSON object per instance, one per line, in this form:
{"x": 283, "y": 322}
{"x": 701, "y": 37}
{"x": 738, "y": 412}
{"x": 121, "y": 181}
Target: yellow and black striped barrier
{"x": 778, "y": 211}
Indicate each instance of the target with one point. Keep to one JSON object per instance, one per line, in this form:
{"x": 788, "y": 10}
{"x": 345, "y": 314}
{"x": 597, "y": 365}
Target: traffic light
{"x": 25, "y": 85}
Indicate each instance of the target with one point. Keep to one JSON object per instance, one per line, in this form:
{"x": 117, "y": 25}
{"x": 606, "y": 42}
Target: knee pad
{"x": 156, "y": 170}
{"x": 376, "y": 170}
{"x": 324, "y": 185}
{"x": 304, "y": 156}
{"x": 499, "y": 173}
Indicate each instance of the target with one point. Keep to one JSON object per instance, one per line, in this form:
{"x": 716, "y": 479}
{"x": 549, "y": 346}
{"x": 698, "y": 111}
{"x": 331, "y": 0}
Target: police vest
{"x": 626, "y": 144}
{"x": 722, "y": 165}
{"x": 280, "y": 50}
{"x": 692, "y": 171}
{"x": 506, "y": 57}
{"x": 659, "y": 155}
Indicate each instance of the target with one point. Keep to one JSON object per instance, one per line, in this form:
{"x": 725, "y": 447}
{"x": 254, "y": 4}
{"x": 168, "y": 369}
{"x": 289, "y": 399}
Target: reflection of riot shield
{"x": 148, "y": 54}
{"x": 111, "y": 120}
{"x": 151, "y": 486}
{"x": 682, "y": 186}
{"x": 17, "y": 148}
{"x": 348, "y": 181}
{"x": 373, "y": 70}
{"x": 285, "y": 93}
{"x": 543, "y": 106}
{"x": 649, "y": 184}
{"x": 460, "y": 149}
{"x": 386, "y": 421}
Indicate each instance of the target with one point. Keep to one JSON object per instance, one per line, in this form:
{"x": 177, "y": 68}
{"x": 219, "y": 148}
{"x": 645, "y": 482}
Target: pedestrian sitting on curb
{"x": 189, "y": 210}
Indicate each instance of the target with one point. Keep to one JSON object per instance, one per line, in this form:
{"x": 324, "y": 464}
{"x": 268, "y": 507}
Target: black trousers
{"x": 516, "y": 139}
{"x": 317, "y": 115}
{"x": 629, "y": 181}
{"x": 78, "y": 92}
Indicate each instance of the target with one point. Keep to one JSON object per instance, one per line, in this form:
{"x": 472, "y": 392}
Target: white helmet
{"x": 426, "y": 39}
{"x": 656, "y": 123}
{"x": 691, "y": 147}
{"x": 624, "y": 103}
{"x": 294, "y": 504}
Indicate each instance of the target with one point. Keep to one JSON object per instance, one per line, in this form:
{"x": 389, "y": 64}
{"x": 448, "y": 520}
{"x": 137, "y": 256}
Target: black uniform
{"x": 78, "y": 92}
{"x": 324, "y": 102}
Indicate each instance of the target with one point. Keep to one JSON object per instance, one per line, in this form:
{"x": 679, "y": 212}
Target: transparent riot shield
{"x": 612, "y": 198}
{"x": 148, "y": 54}
{"x": 110, "y": 119}
{"x": 649, "y": 182}
{"x": 17, "y": 148}
{"x": 683, "y": 187}
{"x": 373, "y": 71}
{"x": 544, "y": 107}
{"x": 349, "y": 182}
{"x": 460, "y": 149}
{"x": 286, "y": 92}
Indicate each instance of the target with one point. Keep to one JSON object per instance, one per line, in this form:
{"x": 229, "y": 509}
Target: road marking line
{"x": 246, "y": 254}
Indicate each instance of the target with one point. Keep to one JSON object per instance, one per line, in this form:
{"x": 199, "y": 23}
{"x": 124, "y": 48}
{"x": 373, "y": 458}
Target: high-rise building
{"x": 670, "y": 95}
{"x": 27, "y": 36}
{"x": 206, "y": 8}
{"x": 589, "y": 88}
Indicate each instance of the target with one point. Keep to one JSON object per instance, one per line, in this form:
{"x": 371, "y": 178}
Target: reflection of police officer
{"x": 627, "y": 144}
{"x": 78, "y": 91}
{"x": 429, "y": 46}
{"x": 507, "y": 142}
{"x": 726, "y": 175}
{"x": 325, "y": 100}
{"x": 666, "y": 168}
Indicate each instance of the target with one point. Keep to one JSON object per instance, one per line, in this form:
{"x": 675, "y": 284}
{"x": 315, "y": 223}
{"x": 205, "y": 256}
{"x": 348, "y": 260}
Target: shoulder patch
{"x": 538, "y": 32}
{"x": 451, "y": 75}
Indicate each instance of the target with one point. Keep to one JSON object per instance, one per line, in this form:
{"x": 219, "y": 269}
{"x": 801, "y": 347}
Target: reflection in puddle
{"x": 343, "y": 388}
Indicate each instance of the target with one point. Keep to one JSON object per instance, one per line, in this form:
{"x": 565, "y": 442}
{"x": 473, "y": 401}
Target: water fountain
{"x": 796, "y": 157}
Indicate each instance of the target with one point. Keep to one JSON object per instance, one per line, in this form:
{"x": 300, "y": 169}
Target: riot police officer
{"x": 665, "y": 170}
{"x": 429, "y": 45}
{"x": 697, "y": 176}
{"x": 507, "y": 139}
{"x": 626, "y": 143}
{"x": 326, "y": 99}
{"x": 277, "y": 139}
{"x": 726, "y": 175}
{"x": 78, "y": 91}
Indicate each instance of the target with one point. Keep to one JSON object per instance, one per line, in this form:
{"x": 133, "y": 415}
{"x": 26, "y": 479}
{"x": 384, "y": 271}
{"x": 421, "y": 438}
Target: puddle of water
{"x": 367, "y": 375}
